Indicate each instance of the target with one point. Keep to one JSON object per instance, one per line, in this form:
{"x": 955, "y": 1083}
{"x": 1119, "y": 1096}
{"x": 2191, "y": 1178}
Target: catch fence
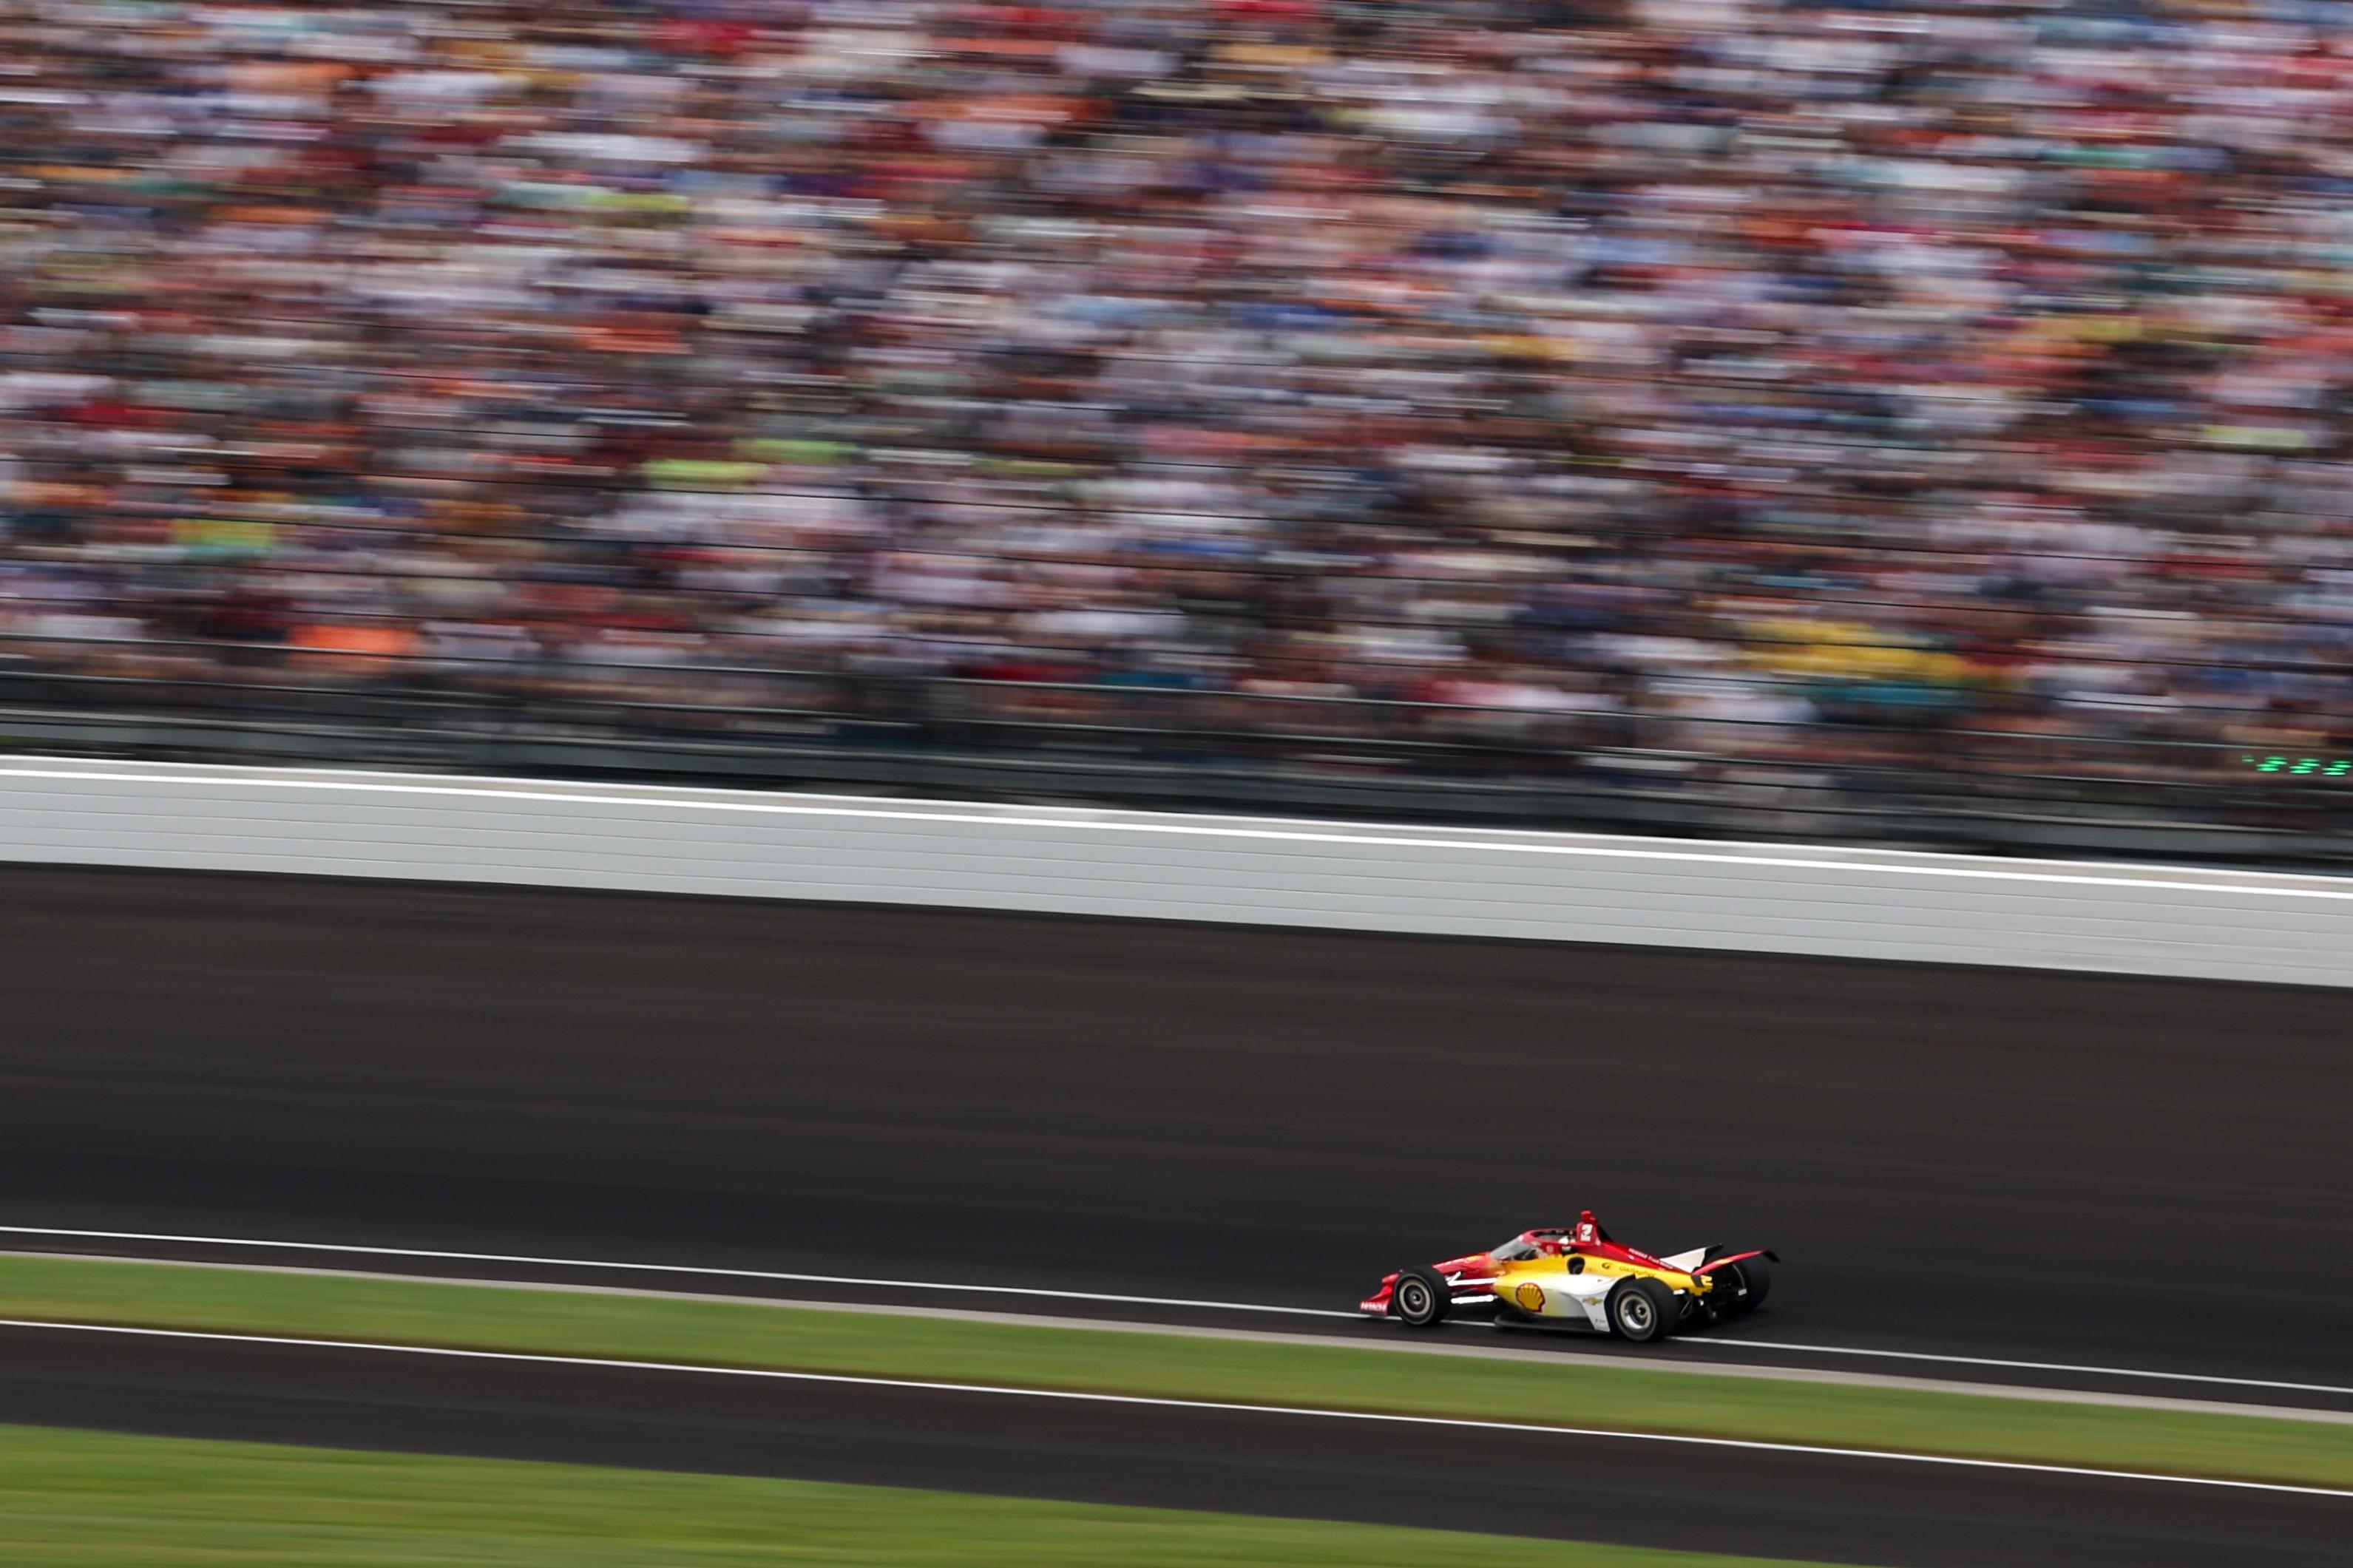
{"x": 1888, "y": 776}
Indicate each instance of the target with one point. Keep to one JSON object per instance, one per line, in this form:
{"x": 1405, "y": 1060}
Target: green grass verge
{"x": 1564, "y": 1391}
{"x": 87, "y": 1498}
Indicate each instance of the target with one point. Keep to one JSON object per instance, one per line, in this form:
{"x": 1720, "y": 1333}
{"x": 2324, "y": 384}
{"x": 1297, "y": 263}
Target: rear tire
{"x": 1419, "y": 1298}
{"x": 1642, "y": 1311}
{"x": 1751, "y": 1280}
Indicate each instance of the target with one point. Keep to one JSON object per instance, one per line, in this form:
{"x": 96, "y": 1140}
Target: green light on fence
{"x": 2321, "y": 767}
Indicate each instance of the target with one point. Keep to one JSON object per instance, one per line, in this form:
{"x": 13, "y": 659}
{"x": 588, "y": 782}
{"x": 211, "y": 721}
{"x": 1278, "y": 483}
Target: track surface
{"x": 1873, "y": 1511}
{"x": 2046, "y": 1167}
{"x": 1999, "y": 1164}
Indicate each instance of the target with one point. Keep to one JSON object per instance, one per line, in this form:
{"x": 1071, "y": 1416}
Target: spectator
{"x": 1546, "y": 371}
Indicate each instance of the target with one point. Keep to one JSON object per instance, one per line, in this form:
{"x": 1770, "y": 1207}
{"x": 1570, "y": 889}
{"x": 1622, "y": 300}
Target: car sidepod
{"x": 1574, "y": 1298}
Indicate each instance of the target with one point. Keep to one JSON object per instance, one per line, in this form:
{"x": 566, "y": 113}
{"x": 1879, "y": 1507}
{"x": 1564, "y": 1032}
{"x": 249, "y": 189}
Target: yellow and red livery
{"x": 1580, "y": 1275}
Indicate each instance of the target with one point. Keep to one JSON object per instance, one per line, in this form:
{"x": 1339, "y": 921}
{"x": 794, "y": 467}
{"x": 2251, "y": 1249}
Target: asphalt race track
{"x": 1878, "y": 1511}
{"x": 2011, "y": 1164}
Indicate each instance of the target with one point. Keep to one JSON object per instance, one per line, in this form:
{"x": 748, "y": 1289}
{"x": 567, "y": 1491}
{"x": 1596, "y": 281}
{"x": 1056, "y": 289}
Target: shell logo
{"x": 1528, "y": 1296}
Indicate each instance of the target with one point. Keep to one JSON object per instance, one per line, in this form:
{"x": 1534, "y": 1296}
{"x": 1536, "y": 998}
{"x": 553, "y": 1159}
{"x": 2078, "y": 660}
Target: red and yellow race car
{"x": 1579, "y": 1276}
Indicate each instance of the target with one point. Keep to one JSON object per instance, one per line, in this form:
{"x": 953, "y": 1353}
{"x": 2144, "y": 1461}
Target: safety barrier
{"x": 1764, "y": 898}
{"x": 1891, "y": 777}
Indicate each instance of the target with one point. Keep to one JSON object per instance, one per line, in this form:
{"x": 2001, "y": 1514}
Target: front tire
{"x": 1642, "y": 1311}
{"x": 1419, "y": 1298}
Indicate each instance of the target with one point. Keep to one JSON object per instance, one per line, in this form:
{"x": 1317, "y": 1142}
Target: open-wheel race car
{"x": 1580, "y": 1277}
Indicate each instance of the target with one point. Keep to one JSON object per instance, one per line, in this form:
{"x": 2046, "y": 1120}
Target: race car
{"x": 1580, "y": 1276}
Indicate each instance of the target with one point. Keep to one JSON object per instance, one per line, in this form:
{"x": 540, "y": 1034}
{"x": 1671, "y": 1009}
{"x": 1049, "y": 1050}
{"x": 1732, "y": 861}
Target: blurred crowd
{"x": 1559, "y": 372}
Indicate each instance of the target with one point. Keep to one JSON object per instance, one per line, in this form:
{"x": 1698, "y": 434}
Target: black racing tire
{"x": 1642, "y": 1311}
{"x": 1421, "y": 1298}
{"x": 1750, "y": 1281}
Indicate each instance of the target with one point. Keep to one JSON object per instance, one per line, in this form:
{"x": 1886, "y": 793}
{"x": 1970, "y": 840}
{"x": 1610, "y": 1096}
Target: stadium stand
{"x": 1911, "y": 420}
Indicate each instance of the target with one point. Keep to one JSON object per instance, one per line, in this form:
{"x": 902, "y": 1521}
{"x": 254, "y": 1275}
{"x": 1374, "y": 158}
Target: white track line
{"x": 2032, "y": 1366}
{"x": 1376, "y": 1343}
{"x": 1149, "y": 1401}
{"x": 896, "y": 1284}
{"x": 1038, "y": 1293}
{"x": 1201, "y": 830}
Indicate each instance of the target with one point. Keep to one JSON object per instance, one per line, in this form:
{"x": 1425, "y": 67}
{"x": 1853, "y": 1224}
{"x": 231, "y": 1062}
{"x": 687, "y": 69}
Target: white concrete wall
{"x": 2136, "y": 920}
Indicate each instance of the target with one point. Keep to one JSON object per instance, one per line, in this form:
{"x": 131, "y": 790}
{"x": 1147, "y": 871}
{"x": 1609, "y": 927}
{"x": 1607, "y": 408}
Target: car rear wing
{"x": 1713, "y": 1264}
